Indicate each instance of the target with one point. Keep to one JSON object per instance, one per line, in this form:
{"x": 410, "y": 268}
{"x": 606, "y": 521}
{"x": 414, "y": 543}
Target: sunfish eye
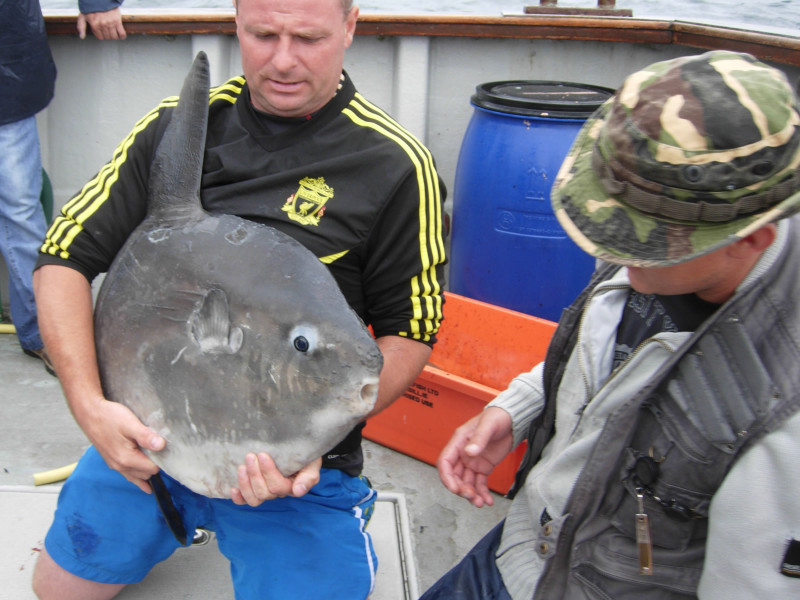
{"x": 303, "y": 338}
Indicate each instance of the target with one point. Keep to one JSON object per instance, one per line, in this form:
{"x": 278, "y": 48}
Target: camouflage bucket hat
{"x": 690, "y": 155}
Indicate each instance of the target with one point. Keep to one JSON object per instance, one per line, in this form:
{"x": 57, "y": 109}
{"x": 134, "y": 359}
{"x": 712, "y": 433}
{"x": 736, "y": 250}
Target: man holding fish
{"x": 291, "y": 145}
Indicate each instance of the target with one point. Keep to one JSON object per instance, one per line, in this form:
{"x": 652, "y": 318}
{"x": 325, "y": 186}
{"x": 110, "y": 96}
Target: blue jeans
{"x": 22, "y": 222}
{"x": 476, "y": 577}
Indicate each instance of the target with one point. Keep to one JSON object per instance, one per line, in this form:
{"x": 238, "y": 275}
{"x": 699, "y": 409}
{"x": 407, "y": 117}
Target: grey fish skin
{"x": 224, "y": 335}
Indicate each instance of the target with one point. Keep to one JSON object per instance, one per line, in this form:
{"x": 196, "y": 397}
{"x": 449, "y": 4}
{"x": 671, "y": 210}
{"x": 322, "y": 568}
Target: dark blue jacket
{"x": 27, "y": 70}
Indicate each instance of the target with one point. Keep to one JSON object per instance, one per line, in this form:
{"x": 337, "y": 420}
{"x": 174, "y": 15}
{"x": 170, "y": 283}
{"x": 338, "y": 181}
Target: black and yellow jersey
{"x": 348, "y": 182}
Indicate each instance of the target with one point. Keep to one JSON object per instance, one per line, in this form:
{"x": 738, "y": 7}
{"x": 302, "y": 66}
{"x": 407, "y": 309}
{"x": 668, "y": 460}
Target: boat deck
{"x": 419, "y": 529}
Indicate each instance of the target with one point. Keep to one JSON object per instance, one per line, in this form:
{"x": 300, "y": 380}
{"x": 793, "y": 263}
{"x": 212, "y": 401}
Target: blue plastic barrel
{"x": 507, "y": 247}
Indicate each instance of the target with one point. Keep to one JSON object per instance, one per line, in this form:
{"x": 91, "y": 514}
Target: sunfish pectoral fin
{"x": 177, "y": 167}
{"x": 211, "y": 325}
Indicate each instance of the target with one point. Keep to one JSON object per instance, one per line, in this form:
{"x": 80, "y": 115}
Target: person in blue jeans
{"x": 27, "y": 84}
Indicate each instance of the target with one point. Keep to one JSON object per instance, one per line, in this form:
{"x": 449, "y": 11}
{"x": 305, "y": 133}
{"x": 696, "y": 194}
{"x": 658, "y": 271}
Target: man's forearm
{"x": 403, "y": 359}
{"x": 64, "y": 306}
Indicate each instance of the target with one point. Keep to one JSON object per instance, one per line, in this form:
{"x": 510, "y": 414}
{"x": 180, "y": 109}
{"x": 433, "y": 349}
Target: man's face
{"x": 713, "y": 277}
{"x": 293, "y": 52}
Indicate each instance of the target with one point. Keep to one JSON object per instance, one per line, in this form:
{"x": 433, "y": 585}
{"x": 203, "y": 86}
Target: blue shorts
{"x": 106, "y": 529}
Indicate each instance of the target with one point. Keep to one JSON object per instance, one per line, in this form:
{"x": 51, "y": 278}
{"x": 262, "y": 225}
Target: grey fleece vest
{"x": 735, "y": 380}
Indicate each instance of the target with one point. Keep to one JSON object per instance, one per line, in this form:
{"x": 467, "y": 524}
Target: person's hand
{"x": 260, "y": 480}
{"x": 475, "y": 449}
{"x": 119, "y": 437}
{"x": 105, "y": 25}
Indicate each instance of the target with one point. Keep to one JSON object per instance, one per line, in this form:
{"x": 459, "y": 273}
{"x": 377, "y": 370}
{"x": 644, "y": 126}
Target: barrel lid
{"x": 560, "y": 99}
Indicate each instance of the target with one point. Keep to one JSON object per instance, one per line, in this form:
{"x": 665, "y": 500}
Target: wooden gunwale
{"x": 767, "y": 46}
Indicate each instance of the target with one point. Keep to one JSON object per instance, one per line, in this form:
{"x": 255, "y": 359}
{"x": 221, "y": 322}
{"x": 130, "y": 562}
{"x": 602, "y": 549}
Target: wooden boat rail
{"x": 775, "y": 47}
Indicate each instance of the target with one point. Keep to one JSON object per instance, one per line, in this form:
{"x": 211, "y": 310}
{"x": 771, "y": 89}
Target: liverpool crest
{"x": 307, "y": 204}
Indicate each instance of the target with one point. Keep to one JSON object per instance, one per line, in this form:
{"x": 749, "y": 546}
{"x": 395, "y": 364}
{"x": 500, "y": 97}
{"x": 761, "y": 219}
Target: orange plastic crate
{"x": 480, "y": 349}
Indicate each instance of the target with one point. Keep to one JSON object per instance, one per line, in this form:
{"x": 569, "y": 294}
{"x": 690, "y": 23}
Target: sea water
{"x": 752, "y": 14}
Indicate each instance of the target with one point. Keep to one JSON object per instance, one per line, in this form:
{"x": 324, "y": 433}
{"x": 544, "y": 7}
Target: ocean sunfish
{"x": 224, "y": 335}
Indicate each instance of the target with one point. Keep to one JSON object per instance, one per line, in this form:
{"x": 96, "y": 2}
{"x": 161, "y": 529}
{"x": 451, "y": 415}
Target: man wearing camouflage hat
{"x": 663, "y": 428}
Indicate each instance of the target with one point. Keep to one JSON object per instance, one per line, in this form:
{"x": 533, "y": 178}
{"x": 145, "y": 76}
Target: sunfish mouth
{"x": 369, "y": 392}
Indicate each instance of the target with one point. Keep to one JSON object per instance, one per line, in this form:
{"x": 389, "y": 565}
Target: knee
{"x": 51, "y": 582}
{"x": 44, "y": 574}
{"x": 39, "y": 582}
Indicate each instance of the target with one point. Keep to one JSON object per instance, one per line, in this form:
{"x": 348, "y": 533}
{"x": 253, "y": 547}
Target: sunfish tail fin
{"x": 177, "y": 167}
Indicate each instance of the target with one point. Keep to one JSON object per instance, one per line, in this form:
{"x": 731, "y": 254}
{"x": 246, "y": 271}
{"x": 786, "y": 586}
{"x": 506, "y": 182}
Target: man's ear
{"x": 350, "y": 25}
{"x": 756, "y": 242}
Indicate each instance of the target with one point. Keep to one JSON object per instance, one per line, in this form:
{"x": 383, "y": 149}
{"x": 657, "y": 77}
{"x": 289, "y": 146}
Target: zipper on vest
{"x": 578, "y": 343}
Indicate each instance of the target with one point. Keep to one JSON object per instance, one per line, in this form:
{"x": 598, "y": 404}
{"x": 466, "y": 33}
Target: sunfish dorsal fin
{"x": 177, "y": 167}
